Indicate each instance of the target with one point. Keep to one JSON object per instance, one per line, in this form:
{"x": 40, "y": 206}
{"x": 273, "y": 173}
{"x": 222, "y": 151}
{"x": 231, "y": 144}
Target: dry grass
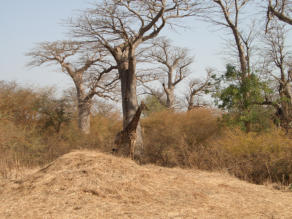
{"x": 87, "y": 184}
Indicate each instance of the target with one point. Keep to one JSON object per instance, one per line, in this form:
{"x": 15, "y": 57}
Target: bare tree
{"x": 198, "y": 88}
{"x": 174, "y": 63}
{"x": 121, "y": 26}
{"x": 226, "y": 13}
{"x": 282, "y": 9}
{"x": 87, "y": 67}
{"x": 277, "y": 55}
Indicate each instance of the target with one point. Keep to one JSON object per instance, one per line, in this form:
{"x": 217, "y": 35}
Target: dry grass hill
{"x": 87, "y": 184}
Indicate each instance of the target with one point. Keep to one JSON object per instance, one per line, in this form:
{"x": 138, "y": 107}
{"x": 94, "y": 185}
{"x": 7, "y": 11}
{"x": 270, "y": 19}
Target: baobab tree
{"x": 88, "y": 68}
{"x": 121, "y": 26}
{"x": 173, "y": 66}
{"x": 282, "y": 9}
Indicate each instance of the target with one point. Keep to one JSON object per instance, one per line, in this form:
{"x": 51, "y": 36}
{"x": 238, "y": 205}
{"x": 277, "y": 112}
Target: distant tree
{"x": 53, "y": 112}
{"x": 278, "y": 56}
{"x": 87, "y": 67}
{"x": 197, "y": 88}
{"x": 121, "y": 26}
{"x": 173, "y": 66}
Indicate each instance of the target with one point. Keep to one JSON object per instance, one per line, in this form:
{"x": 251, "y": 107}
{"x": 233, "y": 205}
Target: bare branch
{"x": 227, "y": 13}
{"x": 173, "y": 66}
{"x": 282, "y": 9}
{"x": 197, "y": 88}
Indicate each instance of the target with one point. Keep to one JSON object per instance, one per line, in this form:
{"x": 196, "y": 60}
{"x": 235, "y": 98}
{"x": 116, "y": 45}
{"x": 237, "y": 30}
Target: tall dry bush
{"x": 197, "y": 139}
{"x": 256, "y": 157}
{"x": 103, "y": 130}
{"x": 18, "y": 147}
{"x": 102, "y": 133}
{"x": 17, "y": 103}
{"x": 173, "y": 138}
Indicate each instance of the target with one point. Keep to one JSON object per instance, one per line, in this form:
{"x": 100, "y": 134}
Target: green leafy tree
{"x": 243, "y": 99}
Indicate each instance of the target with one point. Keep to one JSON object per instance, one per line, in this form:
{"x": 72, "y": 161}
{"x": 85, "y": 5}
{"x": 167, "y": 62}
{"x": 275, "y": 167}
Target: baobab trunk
{"x": 170, "y": 98}
{"x": 84, "y": 116}
{"x": 84, "y": 108}
{"x": 191, "y": 104}
{"x": 129, "y": 100}
{"x": 289, "y": 93}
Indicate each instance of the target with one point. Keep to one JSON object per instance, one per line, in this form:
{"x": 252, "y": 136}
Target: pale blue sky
{"x": 26, "y": 22}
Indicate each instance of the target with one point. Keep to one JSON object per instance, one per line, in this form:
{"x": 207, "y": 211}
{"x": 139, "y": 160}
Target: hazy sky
{"x": 26, "y": 22}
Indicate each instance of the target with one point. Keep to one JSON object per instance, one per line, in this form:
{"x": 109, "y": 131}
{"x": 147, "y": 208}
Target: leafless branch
{"x": 197, "y": 88}
{"x": 282, "y": 9}
{"x": 173, "y": 63}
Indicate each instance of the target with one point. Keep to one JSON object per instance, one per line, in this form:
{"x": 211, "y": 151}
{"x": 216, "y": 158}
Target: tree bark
{"x": 169, "y": 97}
{"x": 191, "y": 103}
{"x": 84, "y": 108}
{"x": 241, "y": 53}
{"x": 127, "y": 71}
{"x": 84, "y": 116}
{"x": 289, "y": 92}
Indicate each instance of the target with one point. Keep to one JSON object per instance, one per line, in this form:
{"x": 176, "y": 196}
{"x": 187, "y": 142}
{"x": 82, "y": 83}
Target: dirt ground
{"x": 88, "y": 184}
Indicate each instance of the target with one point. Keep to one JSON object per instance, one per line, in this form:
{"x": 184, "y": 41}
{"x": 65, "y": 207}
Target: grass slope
{"x": 87, "y": 184}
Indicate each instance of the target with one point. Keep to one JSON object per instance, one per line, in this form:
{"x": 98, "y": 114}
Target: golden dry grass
{"x": 88, "y": 184}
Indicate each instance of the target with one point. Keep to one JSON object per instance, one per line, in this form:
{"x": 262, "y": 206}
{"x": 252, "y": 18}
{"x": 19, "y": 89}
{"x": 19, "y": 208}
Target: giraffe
{"x": 128, "y": 135}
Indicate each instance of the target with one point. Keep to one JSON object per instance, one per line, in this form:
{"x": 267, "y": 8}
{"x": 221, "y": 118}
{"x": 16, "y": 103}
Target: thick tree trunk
{"x": 170, "y": 98}
{"x": 84, "y": 108}
{"x": 129, "y": 96}
{"x": 191, "y": 103}
{"x": 129, "y": 100}
{"x": 84, "y": 116}
{"x": 289, "y": 93}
